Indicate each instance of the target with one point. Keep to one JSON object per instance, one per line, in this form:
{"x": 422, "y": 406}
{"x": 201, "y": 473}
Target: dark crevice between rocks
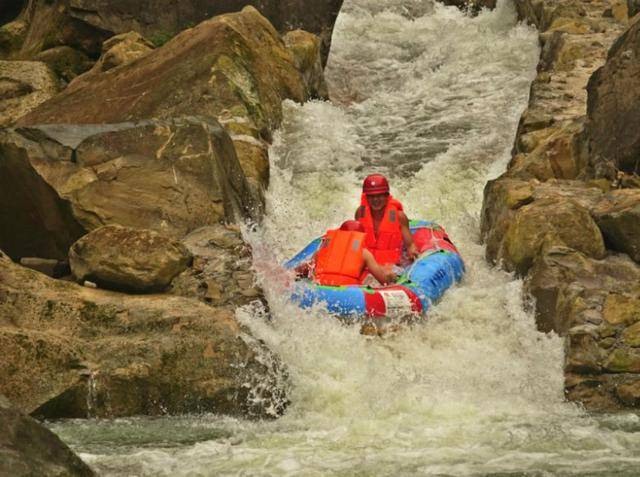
{"x": 10, "y": 10}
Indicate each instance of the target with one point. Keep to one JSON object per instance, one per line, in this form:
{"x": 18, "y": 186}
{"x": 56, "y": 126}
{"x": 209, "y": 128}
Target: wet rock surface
{"x": 221, "y": 273}
{"x": 564, "y": 214}
{"x": 127, "y": 259}
{"x": 28, "y": 448}
{"x": 73, "y": 351}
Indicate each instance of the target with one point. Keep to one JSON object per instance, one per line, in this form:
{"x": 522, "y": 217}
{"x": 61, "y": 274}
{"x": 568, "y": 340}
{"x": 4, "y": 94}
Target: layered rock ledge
{"x": 565, "y": 213}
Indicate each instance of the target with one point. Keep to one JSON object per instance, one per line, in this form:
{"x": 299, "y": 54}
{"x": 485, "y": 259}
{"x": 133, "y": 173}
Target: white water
{"x": 431, "y": 98}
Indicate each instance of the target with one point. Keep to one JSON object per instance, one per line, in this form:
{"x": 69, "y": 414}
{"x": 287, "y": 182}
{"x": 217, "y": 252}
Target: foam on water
{"x": 430, "y": 97}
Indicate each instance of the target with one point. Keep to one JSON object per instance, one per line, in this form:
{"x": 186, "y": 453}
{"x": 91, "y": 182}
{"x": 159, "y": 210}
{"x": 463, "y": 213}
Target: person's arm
{"x": 412, "y": 250}
{"x": 381, "y": 273}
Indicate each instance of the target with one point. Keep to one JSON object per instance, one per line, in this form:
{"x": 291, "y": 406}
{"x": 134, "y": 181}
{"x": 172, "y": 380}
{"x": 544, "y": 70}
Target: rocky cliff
{"x": 565, "y": 213}
{"x": 135, "y": 173}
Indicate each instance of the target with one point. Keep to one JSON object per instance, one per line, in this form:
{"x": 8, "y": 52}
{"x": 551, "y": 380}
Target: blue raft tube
{"x": 419, "y": 285}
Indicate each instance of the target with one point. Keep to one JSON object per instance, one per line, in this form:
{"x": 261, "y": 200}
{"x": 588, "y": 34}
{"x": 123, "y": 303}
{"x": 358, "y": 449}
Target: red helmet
{"x": 352, "y": 226}
{"x": 375, "y": 184}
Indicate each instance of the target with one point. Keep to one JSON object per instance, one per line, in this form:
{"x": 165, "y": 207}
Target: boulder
{"x": 59, "y": 182}
{"x": 117, "y": 51}
{"x": 50, "y": 24}
{"x": 90, "y": 22}
{"x": 571, "y": 289}
{"x": 24, "y": 85}
{"x": 232, "y": 65}
{"x": 12, "y": 37}
{"x": 221, "y": 273}
{"x": 613, "y": 113}
{"x": 305, "y": 48}
{"x": 548, "y": 153}
{"x": 65, "y": 61}
{"x": 73, "y": 351}
{"x": 127, "y": 259}
{"x": 548, "y": 221}
{"x": 29, "y": 448}
{"x": 618, "y": 217}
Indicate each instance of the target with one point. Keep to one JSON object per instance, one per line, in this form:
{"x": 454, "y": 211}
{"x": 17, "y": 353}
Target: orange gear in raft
{"x": 339, "y": 260}
{"x": 386, "y": 247}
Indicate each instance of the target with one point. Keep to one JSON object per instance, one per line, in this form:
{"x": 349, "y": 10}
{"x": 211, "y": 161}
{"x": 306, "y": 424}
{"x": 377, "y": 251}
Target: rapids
{"x": 430, "y": 97}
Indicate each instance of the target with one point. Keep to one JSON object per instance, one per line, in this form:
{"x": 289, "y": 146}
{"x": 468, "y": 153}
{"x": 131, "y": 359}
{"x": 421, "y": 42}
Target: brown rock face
{"x": 618, "y": 216}
{"x": 72, "y": 351}
{"x": 233, "y": 65}
{"x": 128, "y": 260}
{"x": 613, "y": 111}
{"x": 550, "y": 215}
{"x": 58, "y": 182}
{"x": 305, "y": 48}
{"x": 221, "y": 273}
{"x": 117, "y": 51}
{"x": 66, "y": 62}
{"x": 24, "y": 85}
{"x": 88, "y": 23}
{"x": 28, "y": 448}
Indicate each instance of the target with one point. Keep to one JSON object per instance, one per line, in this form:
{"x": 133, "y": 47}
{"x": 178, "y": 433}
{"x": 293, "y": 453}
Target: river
{"x": 430, "y": 97}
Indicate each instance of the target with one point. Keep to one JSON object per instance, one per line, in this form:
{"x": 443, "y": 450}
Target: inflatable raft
{"x": 420, "y": 284}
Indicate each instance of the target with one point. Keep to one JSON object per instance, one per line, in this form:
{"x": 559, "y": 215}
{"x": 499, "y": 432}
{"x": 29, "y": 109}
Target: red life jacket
{"x": 339, "y": 260}
{"x": 386, "y": 247}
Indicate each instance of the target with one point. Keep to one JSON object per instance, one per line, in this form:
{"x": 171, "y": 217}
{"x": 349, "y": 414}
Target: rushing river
{"x": 431, "y": 98}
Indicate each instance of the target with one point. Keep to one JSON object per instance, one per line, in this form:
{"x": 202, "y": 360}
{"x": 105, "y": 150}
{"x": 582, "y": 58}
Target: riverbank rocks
{"x": 127, "y": 259}
{"x": 234, "y": 68}
{"x": 73, "y": 351}
{"x": 558, "y": 217}
{"x": 221, "y": 273}
{"x": 117, "y": 51}
{"x": 24, "y": 85}
{"x": 305, "y": 48}
{"x": 233, "y": 65}
{"x": 87, "y": 23}
{"x": 29, "y": 448}
{"x": 65, "y": 61}
{"x": 613, "y": 111}
{"x": 618, "y": 216}
{"x": 58, "y": 182}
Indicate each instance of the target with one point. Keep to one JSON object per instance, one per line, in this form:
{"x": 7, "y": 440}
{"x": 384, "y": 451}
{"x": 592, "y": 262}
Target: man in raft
{"x": 342, "y": 259}
{"x": 384, "y": 221}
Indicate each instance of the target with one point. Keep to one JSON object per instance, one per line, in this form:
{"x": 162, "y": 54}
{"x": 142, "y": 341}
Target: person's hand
{"x": 412, "y": 252}
{"x": 389, "y": 275}
{"x": 303, "y": 270}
